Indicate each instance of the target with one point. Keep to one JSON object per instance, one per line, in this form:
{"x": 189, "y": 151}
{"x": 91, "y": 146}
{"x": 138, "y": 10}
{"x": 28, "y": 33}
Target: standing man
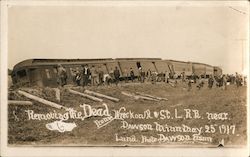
{"x": 154, "y": 77}
{"x": 175, "y": 78}
{"x": 126, "y": 75}
{"x": 189, "y": 84}
{"x": 200, "y": 83}
{"x": 85, "y": 75}
{"x": 78, "y": 77}
{"x": 194, "y": 77}
{"x": 94, "y": 76}
{"x": 62, "y": 75}
{"x": 132, "y": 74}
{"x": 224, "y": 82}
{"x": 100, "y": 75}
{"x": 166, "y": 76}
{"x": 210, "y": 81}
{"x": 116, "y": 75}
{"x": 140, "y": 74}
{"x": 112, "y": 77}
{"x": 237, "y": 79}
{"x": 148, "y": 75}
{"x": 183, "y": 76}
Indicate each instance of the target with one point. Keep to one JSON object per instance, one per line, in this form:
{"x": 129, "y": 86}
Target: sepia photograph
{"x": 126, "y": 74}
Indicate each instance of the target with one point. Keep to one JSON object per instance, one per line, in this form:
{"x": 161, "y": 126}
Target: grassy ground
{"x": 216, "y": 100}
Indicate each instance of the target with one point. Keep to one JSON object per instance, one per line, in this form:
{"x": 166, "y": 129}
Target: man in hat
{"x": 140, "y": 74}
{"x": 167, "y": 76}
{"x": 189, "y": 84}
{"x": 224, "y": 82}
{"x": 132, "y": 74}
{"x": 210, "y": 81}
{"x": 94, "y": 76}
{"x": 100, "y": 76}
{"x": 117, "y": 75}
{"x": 62, "y": 75}
{"x": 77, "y": 77}
{"x": 85, "y": 74}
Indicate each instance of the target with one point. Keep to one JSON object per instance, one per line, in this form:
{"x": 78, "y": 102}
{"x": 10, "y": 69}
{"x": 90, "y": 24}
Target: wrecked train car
{"x": 178, "y": 67}
{"x": 153, "y": 64}
{"x": 202, "y": 70}
{"x": 43, "y": 72}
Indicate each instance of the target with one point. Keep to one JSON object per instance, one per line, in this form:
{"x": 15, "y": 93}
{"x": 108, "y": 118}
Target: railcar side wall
{"x": 45, "y": 73}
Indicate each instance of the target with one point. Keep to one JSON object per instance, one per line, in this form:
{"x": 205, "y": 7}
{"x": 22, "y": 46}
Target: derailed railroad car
{"x": 43, "y": 72}
{"x": 178, "y": 67}
{"x": 136, "y": 63}
{"x": 202, "y": 70}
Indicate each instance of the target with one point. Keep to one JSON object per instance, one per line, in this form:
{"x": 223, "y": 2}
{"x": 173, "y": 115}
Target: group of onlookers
{"x": 95, "y": 76}
{"x": 88, "y": 76}
{"x": 219, "y": 81}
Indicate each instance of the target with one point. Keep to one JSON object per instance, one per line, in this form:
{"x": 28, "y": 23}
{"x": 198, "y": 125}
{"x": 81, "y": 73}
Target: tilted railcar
{"x": 135, "y": 63}
{"x": 199, "y": 69}
{"x": 163, "y": 66}
{"x": 43, "y": 72}
{"x": 179, "y": 67}
{"x": 209, "y": 70}
{"x": 202, "y": 70}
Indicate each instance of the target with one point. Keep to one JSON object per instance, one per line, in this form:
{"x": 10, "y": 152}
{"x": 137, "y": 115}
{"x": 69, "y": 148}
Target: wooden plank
{"x": 101, "y": 95}
{"x": 138, "y": 96}
{"x": 18, "y": 102}
{"x": 41, "y": 100}
{"x": 85, "y": 95}
{"x": 127, "y": 94}
{"x": 151, "y": 96}
{"x": 146, "y": 98}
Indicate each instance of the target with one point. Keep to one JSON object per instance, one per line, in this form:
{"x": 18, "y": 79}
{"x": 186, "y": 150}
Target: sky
{"x": 207, "y": 34}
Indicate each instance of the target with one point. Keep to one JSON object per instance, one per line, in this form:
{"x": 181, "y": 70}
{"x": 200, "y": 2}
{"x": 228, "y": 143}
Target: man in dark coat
{"x": 100, "y": 76}
{"x": 132, "y": 75}
{"x": 210, "y": 82}
{"x": 116, "y": 75}
{"x": 85, "y": 75}
{"x": 77, "y": 77}
{"x": 189, "y": 84}
{"x": 62, "y": 75}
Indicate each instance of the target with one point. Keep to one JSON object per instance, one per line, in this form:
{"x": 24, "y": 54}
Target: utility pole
{"x": 242, "y": 40}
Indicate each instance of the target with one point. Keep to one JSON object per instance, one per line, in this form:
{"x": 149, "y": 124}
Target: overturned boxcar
{"x": 43, "y": 72}
{"x": 202, "y": 70}
{"x": 179, "y": 67}
{"x": 147, "y": 64}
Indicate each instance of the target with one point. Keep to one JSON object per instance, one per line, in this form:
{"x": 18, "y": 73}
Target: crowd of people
{"x": 221, "y": 81}
{"x": 95, "y": 76}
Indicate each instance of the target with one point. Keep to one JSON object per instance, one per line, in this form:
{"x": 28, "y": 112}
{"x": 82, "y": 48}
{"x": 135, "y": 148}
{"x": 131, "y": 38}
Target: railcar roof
{"x": 37, "y": 62}
{"x": 44, "y": 62}
{"x": 171, "y": 60}
{"x": 202, "y": 64}
{"x": 138, "y": 59}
